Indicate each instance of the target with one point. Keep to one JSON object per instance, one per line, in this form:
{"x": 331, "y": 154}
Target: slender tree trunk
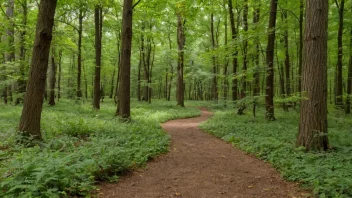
{"x": 180, "y": 62}
{"x": 139, "y": 77}
{"x": 79, "y": 57}
{"x": 124, "y": 90}
{"x": 215, "y": 73}
{"x": 111, "y": 95}
{"x": 300, "y": 55}
{"x": 287, "y": 57}
{"x": 245, "y": 50}
{"x": 52, "y": 78}
{"x": 226, "y": 64}
{"x": 339, "y": 88}
{"x": 59, "y": 76}
{"x": 313, "y": 122}
{"x": 256, "y": 75}
{"x": 98, "y": 37}
{"x": 349, "y": 80}
{"x": 30, "y": 120}
{"x": 171, "y": 70}
{"x": 235, "y": 53}
{"x": 269, "y": 97}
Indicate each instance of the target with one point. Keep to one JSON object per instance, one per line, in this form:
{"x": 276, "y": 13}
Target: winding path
{"x": 201, "y": 166}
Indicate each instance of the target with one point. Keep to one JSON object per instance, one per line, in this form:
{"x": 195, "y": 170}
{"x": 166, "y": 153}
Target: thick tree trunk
{"x": 124, "y": 89}
{"x": 180, "y": 61}
{"x": 339, "y": 88}
{"x": 79, "y": 57}
{"x": 269, "y": 97}
{"x": 98, "y": 37}
{"x": 52, "y": 78}
{"x": 235, "y": 53}
{"x": 313, "y": 122}
{"x": 30, "y": 120}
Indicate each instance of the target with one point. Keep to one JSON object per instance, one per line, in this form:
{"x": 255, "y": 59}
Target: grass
{"x": 81, "y": 146}
{"x": 327, "y": 174}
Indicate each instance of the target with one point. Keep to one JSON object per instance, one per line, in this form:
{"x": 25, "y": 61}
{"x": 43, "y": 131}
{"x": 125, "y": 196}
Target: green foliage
{"x": 81, "y": 146}
{"x": 328, "y": 174}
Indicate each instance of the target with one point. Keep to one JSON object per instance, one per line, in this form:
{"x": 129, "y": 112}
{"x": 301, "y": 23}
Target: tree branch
{"x": 136, "y": 4}
{"x": 4, "y": 12}
{"x": 69, "y": 24}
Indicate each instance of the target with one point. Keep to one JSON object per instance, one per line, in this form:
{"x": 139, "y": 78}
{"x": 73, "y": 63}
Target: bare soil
{"x": 201, "y": 166}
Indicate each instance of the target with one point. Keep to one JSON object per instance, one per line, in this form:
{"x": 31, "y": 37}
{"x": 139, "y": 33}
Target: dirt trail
{"x": 201, "y": 166}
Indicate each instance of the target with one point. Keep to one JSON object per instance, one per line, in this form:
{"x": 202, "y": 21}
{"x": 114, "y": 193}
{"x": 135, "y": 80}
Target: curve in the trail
{"x": 200, "y": 165}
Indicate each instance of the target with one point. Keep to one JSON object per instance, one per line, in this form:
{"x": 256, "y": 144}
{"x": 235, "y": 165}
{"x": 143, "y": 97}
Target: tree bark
{"x": 339, "y": 88}
{"x": 287, "y": 56}
{"x": 313, "y": 118}
{"x": 79, "y": 57}
{"x": 300, "y": 55}
{"x": 269, "y": 97}
{"x": 349, "y": 80}
{"x": 124, "y": 90}
{"x": 235, "y": 53}
{"x": 98, "y": 15}
{"x": 180, "y": 61}
{"x": 215, "y": 73}
{"x": 256, "y": 75}
{"x": 59, "y": 76}
{"x": 52, "y": 78}
{"x": 30, "y": 120}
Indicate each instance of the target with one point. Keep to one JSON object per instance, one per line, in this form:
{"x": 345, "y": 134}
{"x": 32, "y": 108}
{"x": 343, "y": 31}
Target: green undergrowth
{"x": 328, "y": 174}
{"x": 81, "y": 146}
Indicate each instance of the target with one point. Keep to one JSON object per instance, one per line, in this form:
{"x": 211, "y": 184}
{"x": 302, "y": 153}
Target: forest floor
{"x": 201, "y": 165}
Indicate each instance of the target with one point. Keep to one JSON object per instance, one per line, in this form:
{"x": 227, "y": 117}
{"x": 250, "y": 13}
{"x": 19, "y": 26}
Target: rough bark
{"x": 269, "y": 97}
{"x": 313, "y": 118}
{"x": 30, "y": 119}
{"x": 124, "y": 89}
{"x": 98, "y": 15}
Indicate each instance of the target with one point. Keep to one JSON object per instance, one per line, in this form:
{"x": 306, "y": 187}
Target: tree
{"x": 124, "y": 107}
{"x": 32, "y": 108}
{"x": 235, "y": 53}
{"x": 52, "y": 78}
{"x": 181, "y": 40}
{"x": 269, "y": 98}
{"x": 313, "y": 119}
{"x": 98, "y": 37}
{"x": 339, "y": 88}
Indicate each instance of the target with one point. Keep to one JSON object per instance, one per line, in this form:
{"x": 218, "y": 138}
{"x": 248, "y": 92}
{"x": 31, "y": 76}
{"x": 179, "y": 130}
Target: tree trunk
{"x": 269, "y": 97}
{"x": 256, "y": 75}
{"x": 245, "y": 49}
{"x": 235, "y": 53}
{"x": 52, "y": 78}
{"x": 349, "y": 80}
{"x": 339, "y": 88}
{"x": 30, "y": 120}
{"x": 300, "y": 55}
{"x": 59, "y": 76}
{"x": 98, "y": 37}
{"x": 180, "y": 61}
{"x": 287, "y": 57}
{"x": 171, "y": 70}
{"x": 313, "y": 122}
{"x": 79, "y": 57}
{"x": 215, "y": 73}
{"x": 124, "y": 90}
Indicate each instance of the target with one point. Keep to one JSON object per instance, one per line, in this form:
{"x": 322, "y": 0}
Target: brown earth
{"x": 201, "y": 166}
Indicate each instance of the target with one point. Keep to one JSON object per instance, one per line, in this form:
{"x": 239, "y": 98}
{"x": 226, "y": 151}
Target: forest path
{"x": 201, "y": 166}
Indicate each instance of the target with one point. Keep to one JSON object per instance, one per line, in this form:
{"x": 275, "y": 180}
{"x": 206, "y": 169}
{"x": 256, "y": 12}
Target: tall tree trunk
{"x": 339, "y": 88}
{"x": 269, "y": 97}
{"x": 111, "y": 95}
{"x": 226, "y": 64}
{"x": 180, "y": 93}
{"x": 313, "y": 122}
{"x": 300, "y": 55}
{"x": 59, "y": 76}
{"x": 98, "y": 37}
{"x": 30, "y": 120}
{"x": 124, "y": 90}
{"x": 21, "y": 81}
{"x": 171, "y": 70}
{"x": 287, "y": 56}
{"x": 215, "y": 72}
{"x": 79, "y": 57}
{"x": 256, "y": 75}
{"x": 52, "y": 78}
{"x": 139, "y": 97}
{"x": 235, "y": 53}
{"x": 245, "y": 49}
{"x": 349, "y": 80}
